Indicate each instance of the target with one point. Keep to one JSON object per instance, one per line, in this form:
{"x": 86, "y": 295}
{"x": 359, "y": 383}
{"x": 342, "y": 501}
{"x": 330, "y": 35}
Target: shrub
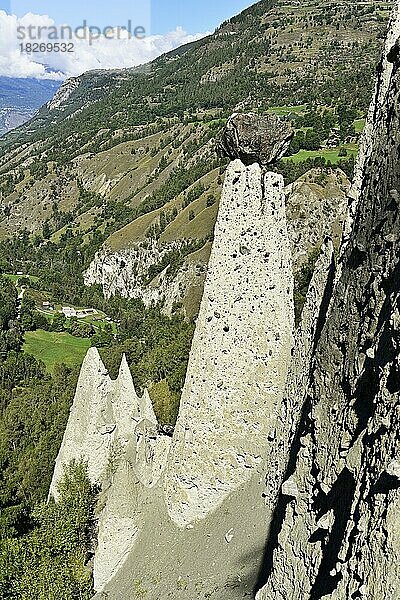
{"x": 51, "y": 561}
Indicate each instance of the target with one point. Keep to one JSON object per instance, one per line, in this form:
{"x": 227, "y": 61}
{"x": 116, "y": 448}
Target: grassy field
{"x": 359, "y": 125}
{"x": 330, "y": 154}
{"x": 287, "y": 110}
{"x": 55, "y": 348}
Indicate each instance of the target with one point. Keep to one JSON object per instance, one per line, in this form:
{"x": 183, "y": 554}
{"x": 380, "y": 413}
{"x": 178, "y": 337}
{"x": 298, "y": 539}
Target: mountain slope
{"x": 126, "y": 157}
{"x": 271, "y": 53}
{"x": 20, "y": 99}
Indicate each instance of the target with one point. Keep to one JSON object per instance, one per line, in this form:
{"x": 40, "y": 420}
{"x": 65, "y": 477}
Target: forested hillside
{"x": 127, "y": 160}
{"x": 126, "y": 135}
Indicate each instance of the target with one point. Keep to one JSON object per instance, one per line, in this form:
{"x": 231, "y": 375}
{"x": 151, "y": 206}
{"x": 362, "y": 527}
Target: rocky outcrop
{"x": 312, "y": 319}
{"x": 116, "y": 434}
{"x": 91, "y": 426}
{"x": 152, "y": 495}
{"x": 239, "y": 359}
{"x": 63, "y": 93}
{"x": 377, "y": 107}
{"x": 126, "y": 272}
{"x": 108, "y": 420}
{"x": 255, "y": 138}
{"x": 335, "y": 531}
{"x": 316, "y": 206}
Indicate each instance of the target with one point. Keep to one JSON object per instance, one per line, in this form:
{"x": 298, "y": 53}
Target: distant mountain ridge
{"x": 20, "y": 99}
{"x": 273, "y": 53}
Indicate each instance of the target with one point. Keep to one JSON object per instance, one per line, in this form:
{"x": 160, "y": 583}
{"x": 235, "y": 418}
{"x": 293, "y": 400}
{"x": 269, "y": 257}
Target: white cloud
{"x": 102, "y": 53}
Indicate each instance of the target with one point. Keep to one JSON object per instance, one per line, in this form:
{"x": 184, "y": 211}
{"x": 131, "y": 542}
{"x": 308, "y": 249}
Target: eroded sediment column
{"x": 90, "y": 430}
{"x": 109, "y": 420}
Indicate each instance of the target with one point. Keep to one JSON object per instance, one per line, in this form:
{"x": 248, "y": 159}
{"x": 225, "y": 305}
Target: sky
{"x": 167, "y": 23}
{"x": 193, "y": 16}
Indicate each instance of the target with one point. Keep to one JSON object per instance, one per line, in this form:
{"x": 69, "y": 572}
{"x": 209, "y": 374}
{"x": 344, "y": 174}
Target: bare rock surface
{"x": 316, "y": 208}
{"x": 197, "y": 494}
{"x": 339, "y": 537}
{"x": 221, "y": 555}
{"x": 105, "y": 417}
{"x": 255, "y": 138}
{"x": 306, "y": 336}
{"x": 126, "y": 272}
{"x": 116, "y": 433}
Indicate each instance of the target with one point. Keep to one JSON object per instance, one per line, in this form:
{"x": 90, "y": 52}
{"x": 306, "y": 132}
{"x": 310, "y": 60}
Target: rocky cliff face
{"x": 335, "y": 533}
{"x": 127, "y": 272}
{"x": 65, "y": 91}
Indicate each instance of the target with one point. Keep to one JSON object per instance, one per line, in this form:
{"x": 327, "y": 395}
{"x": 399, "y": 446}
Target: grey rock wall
{"x": 126, "y": 272}
{"x": 306, "y": 336}
{"x": 336, "y": 527}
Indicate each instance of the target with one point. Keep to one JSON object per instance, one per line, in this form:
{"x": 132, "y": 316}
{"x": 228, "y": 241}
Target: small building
{"x": 68, "y": 311}
{"x": 19, "y": 273}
